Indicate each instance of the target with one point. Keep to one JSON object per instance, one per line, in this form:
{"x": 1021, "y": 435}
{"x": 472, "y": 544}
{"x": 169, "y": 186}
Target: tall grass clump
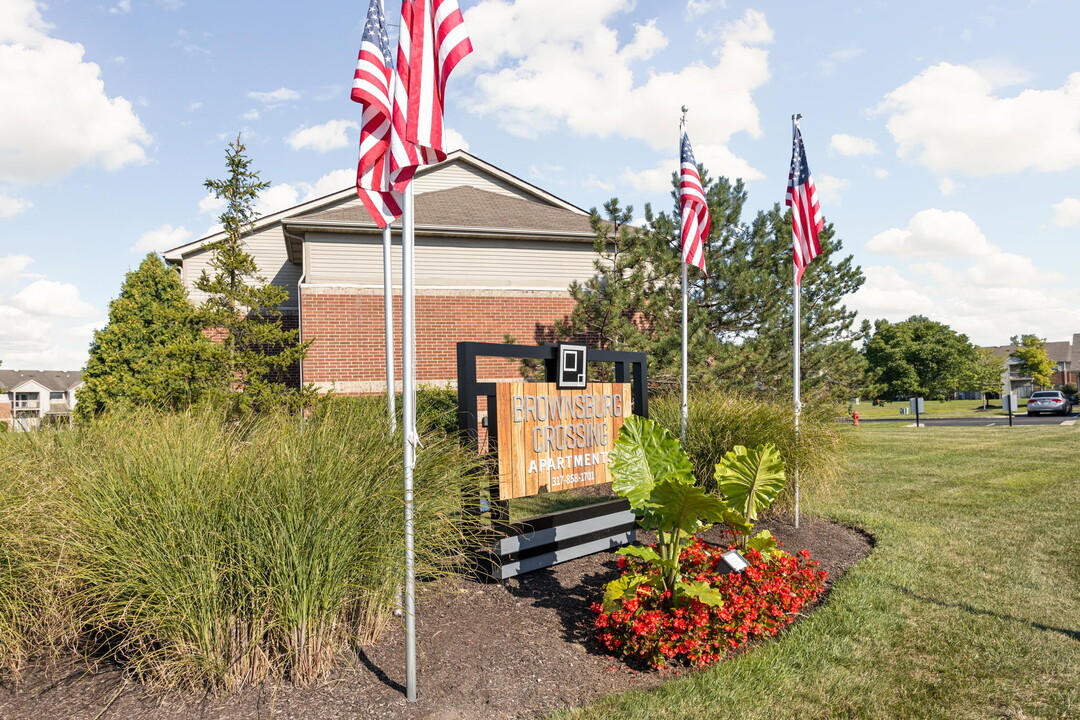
{"x": 718, "y": 421}
{"x": 216, "y": 553}
{"x": 20, "y": 581}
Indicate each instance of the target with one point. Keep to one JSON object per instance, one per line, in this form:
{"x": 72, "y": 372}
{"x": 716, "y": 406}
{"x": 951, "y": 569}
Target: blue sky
{"x": 944, "y": 137}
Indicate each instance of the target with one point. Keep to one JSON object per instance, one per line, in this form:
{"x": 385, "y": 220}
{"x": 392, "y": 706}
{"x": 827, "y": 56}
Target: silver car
{"x": 1049, "y": 401}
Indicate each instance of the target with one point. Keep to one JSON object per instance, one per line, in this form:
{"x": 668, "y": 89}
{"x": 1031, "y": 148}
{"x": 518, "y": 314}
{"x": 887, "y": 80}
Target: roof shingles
{"x": 467, "y": 207}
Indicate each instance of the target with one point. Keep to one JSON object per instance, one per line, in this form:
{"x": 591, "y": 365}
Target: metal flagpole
{"x": 388, "y": 301}
{"x": 797, "y": 372}
{"x": 682, "y": 261}
{"x": 388, "y": 326}
{"x": 408, "y": 406}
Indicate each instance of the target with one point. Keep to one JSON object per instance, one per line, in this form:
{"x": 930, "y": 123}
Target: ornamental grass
{"x": 200, "y": 552}
{"x": 718, "y": 421}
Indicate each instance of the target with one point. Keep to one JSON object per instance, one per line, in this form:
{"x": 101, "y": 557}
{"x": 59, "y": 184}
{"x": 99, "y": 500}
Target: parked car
{"x": 1049, "y": 401}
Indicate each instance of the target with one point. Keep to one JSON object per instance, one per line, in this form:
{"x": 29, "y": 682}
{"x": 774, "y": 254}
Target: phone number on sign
{"x": 572, "y": 479}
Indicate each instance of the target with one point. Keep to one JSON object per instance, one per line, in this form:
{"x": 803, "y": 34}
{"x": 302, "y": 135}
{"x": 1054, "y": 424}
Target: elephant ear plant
{"x": 653, "y": 473}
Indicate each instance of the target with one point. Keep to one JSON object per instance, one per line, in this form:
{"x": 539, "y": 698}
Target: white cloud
{"x": 550, "y": 65}
{"x": 717, "y": 159}
{"x": 251, "y": 115}
{"x": 838, "y": 57}
{"x": 52, "y": 299}
{"x": 697, "y": 8}
{"x": 594, "y": 182}
{"x": 45, "y": 135}
{"x": 211, "y": 205}
{"x": 948, "y": 119}
{"x": 160, "y": 239}
{"x": 285, "y": 195}
{"x": 851, "y": 146}
{"x": 331, "y": 135}
{"x": 453, "y": 140}
{"x": 830, "y": 188}
{"x": 194, "y": 105}
{"x": 948, "y": 186}
{"x": 934, "y": 234}
{"x": 1003, "y": 270}
{"x": 12, "y": 206}
{"x": 122, "y": 7}
{"x": 881, "y": 173}
{"x": 11, "y": 266}
{"x": 888, "y": 294}
{"x": 1067, "y": 212}
{"x": 282, "y": 94}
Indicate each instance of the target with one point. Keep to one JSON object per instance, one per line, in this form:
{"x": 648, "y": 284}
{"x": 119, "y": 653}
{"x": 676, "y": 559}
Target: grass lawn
{"x": 948, "y": 408}
{"x": 968, "y": 607}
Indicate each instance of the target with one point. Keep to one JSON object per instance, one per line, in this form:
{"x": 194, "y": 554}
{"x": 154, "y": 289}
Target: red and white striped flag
{"x": 806, "y": 220}
{"x": 433, "y": 41}
{"x": 371, "y": 88}
{"x": 693, "y": 208}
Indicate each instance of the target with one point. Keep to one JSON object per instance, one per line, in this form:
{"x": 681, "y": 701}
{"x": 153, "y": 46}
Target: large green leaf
{"x": 644, "y": 455}
{"x": 702, "y": 592}
{"x": 765, "y": 543}
{"x": 750, "y": 479}
{"x": 623, "y": 588}
{"x": 675, "y": 505}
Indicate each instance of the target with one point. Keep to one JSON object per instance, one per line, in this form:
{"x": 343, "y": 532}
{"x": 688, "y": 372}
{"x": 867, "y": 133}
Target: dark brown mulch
{"x": 495, "y": 651}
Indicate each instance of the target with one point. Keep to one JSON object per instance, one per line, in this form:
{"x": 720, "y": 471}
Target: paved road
{"x": 996, "y": 421}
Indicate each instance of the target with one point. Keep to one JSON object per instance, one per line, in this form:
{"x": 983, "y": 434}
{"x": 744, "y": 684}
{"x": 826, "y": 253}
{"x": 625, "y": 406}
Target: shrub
{"x": 755, "y": 603}
{"x": 719, "y": 421}
{"x": 214, "y": 553}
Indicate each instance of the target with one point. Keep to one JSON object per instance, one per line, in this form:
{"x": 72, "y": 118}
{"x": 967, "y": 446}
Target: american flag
{"x": 693, "y": 208}
{"x": 806, "y": 220}
{"x": 371, "y": 88}
{"x": 433, "y": 41}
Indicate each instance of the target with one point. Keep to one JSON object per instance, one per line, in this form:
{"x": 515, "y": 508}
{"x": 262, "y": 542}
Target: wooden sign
{"x": 551, "y": 439}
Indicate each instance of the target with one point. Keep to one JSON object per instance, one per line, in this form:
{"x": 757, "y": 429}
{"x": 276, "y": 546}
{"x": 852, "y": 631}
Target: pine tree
{"x": 152, "y": 351}
{"x": 241, "y": 307}
{"x": 739, "y": 314}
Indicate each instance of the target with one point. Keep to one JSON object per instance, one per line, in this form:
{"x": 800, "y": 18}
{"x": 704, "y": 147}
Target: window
{"x": 57, "y": 396}
{"x": 26, "y": 401}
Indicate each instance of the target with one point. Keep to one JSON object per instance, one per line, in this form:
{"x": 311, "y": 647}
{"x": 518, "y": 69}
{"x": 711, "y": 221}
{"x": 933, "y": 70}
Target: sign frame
{"x": 630, "y": 367}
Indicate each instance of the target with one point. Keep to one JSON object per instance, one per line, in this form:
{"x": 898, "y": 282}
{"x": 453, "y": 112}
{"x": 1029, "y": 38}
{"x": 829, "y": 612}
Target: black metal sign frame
{"x": 544, "y": 540}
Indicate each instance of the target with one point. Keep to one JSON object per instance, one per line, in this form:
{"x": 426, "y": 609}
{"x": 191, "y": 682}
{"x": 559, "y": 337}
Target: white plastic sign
{"x": 1009, "y": 403}
{"x": 918, "y": 405}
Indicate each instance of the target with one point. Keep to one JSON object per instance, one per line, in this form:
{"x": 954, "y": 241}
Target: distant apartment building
{"x": 1065, "y": 354}
{"x": 30, "y": 399}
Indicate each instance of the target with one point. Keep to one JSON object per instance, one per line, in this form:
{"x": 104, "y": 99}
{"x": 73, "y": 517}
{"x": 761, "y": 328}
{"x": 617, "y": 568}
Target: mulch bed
{"x": 521, "y": 649}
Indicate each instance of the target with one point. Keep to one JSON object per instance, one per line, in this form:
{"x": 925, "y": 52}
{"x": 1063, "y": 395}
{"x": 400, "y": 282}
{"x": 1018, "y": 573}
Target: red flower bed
{"x": 758, "y": 602}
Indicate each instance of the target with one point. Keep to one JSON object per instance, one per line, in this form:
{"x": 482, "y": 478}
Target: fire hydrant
{"x": 855, "y": 418}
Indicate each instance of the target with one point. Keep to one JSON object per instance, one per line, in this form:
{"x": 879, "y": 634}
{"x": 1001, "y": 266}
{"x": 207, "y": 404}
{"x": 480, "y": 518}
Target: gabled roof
{"x": 52, "y": 380}
{"x": 462, "y": 208}
{"x": 313, "y": 206}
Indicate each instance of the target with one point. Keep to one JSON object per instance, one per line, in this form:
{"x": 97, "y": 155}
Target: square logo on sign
{"x": 571, "y": 367}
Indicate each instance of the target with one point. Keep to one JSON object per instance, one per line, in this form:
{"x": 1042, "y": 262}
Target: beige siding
{"x": 268, "y": 248}
{"x": 452, "y": 262}
{"x": 455, "y": 174}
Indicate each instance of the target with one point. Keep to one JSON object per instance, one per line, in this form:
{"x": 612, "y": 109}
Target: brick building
{"x": 494, "y": 256}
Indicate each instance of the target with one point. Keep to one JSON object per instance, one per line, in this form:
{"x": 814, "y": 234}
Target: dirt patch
{"x": 521, "y": 649}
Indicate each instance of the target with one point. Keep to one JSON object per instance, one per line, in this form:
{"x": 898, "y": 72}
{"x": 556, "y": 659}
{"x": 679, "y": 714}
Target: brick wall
{"x": 346, "y": 326}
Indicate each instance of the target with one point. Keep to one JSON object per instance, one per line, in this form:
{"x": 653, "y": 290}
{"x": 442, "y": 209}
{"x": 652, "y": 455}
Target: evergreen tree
{"x": 241, "y": 308}
{"x": 1034, "y": 360}
{"x": 739, "y": 314}
{"x": 152, "y": 351}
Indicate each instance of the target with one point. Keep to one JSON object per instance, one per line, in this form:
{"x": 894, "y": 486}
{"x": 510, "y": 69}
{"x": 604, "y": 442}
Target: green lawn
{"x": 948, "y": 408}
{"x": 968, "y": 607}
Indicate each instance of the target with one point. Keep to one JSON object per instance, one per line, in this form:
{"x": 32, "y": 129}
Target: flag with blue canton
{"x": 693, "y": 208}
{"x": 806, "y": 220}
